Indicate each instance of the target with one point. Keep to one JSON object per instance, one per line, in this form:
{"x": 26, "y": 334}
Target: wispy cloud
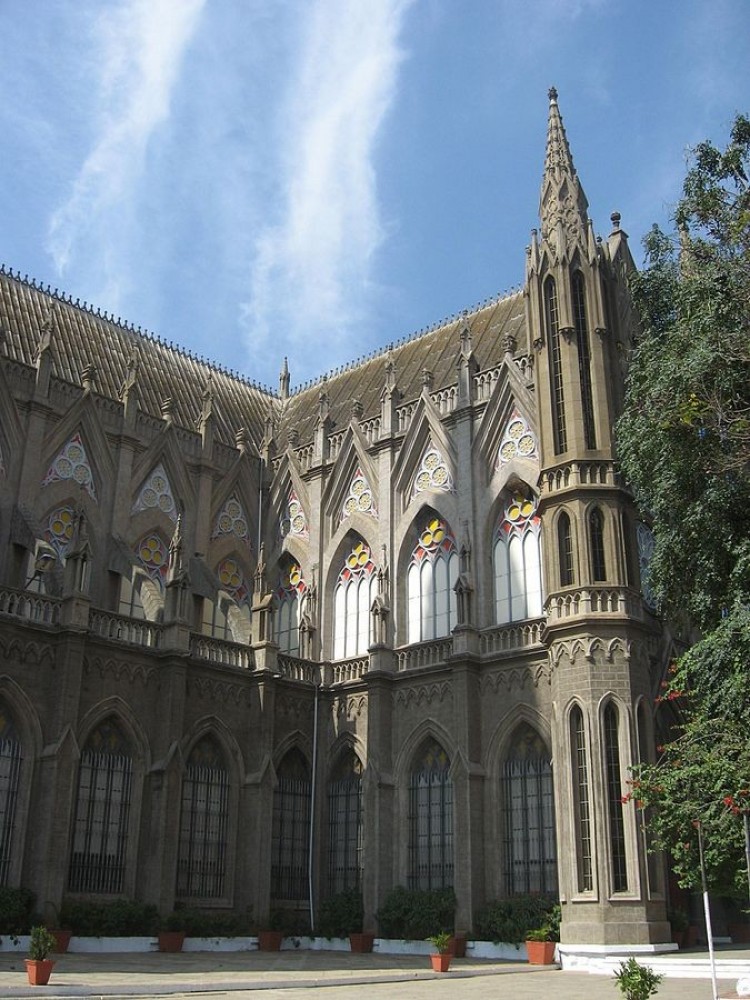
{"x": 137, "y": 50}
{"x": 311, "y": 274}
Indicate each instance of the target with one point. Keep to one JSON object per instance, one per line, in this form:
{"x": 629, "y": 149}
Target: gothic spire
{"x": 563, "y": 208}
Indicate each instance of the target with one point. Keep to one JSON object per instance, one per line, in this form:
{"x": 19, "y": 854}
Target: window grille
{"x": 431, "y": 577}
{"x": 291, "y": 829}
{"x": 202, "y": 854}
{"x": 565, "y": 550}
{"x": 100, "y": 827}
{"x": 431, "y": 821}
{"x": 581, "y": 802}
{"x": 345, "y": 826}
{"x": 555, "y": 367}
{"x": 596, "y": 536}
{"x": 614, "y": 800}
{"x": 10, "y": 770}
{"x": 584, "y": 358}
{"x": 529, "y": 813}
{"x": 517, "y": 562}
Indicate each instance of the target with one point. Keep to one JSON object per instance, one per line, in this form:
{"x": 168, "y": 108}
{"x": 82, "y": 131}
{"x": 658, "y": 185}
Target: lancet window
{"x": 618, "y": 859}
{"x": 581, "y": 801}
{"x": 596, "y": 541}
{"x": 517, "y": 561}
{"x": 291, "y": 828}
{"x": 565, "y": 550}
{"x": 430, "y": 579}
{"x": 353, "y": 596}
{"x": 289, "y": 595}
{"x": 559, "y": 431}
{"x": 430, "y": 819}
{"x": 202, "y": 852}
{"x": 345, "y": 824}
{"x": 578, "y": 289}
{"x": 10, "y": 771}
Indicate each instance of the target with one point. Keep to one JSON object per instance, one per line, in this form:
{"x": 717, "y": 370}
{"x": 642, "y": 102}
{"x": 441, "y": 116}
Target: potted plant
{"x": 637, "y": 982}
{"x": 38, "y": 964}
{"x": 441, "y": 959}
{"x": 270, "y": 939}
{"x": 540, "y": 945}
{"x": 172, "y": 932}
{"x": 342, "y": 915}
{"x": 62, "y": 935}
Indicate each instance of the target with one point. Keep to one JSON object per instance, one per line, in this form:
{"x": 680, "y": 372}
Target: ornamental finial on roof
{"x": 552, "y": 94}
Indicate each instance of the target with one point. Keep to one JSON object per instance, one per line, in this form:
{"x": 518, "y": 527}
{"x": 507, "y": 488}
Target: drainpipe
{"x": 313, "y": 789}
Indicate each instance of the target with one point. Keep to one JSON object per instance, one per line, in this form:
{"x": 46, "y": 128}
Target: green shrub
{"x": 637, "y": 982}
{"x": 342, "y": 914}
{"x": 120, "y": 918}
{"x": 210, "y": 923}
{"x": 510, "y": 919}
{"x": 416, "y": 914}
{"x": 41, "y": 943}
{"x": 16, "y": 911}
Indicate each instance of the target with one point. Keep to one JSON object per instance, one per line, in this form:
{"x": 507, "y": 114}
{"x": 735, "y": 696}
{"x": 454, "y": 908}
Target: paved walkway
{"x": 290, "y": 975}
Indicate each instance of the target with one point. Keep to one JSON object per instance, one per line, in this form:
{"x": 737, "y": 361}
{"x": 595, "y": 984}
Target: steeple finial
{"x": 284, "y": 380}
{"x": 562, "y": 204}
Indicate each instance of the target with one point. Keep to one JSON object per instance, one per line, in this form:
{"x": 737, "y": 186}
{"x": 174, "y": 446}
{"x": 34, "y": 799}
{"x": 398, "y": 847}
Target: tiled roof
{"x": 436, "y": 350}
{"x": 81, "y": 336}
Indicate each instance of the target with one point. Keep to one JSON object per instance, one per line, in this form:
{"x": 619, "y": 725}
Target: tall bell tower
{"x": 602, "y": 639}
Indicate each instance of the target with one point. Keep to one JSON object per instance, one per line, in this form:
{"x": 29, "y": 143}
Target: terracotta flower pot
{"x": 457, "y": 945}
{"x": 39, "y": 970}
{"x": 62, "y": 940}
{"x": 361, "y": 943}
{"x": 171, "y": 940}
{"x": 540, "y": 952}
{"x": 441, "y": 961}
{"x": 270, "y": 940}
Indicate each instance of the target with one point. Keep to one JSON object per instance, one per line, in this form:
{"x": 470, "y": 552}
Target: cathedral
{"x": 392, "y": 628}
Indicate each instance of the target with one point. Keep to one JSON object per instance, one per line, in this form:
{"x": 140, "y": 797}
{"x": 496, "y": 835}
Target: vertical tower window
{"x": 555, "y": 366}
{"x": 614, "y": 800}
{"x": 596, "y": 541}
{"x": 581, "y": 801}
{"x": 352, "y": 600}
{"x": 584, "y": 358}
{"x": 345, "y": 825}
{"x": 565, "y": 550}
{"x": 100, "y": 827}
{"x": 10, "y": 769}
{"x": 202, "y": 857}
{"x": 430, "y": 820}
{"x": 291, "y": 828}
{"x": 529, "y": 814}
{"x": 517, "y": 562}
{"x": 430, "y": 579}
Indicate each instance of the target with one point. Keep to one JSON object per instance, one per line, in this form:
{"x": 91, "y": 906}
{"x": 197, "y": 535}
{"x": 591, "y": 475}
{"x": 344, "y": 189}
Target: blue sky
{"x": 316, "y": 178}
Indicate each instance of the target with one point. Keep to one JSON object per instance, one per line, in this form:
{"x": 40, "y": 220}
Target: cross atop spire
{"x": 562, "y": 203}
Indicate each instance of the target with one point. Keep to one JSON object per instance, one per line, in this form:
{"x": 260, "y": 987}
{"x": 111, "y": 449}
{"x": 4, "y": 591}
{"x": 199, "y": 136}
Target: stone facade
{"x": 397, "y": 615}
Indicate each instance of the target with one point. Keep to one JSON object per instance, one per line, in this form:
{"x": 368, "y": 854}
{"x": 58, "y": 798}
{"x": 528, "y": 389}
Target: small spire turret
{"x": 563, "y": 208}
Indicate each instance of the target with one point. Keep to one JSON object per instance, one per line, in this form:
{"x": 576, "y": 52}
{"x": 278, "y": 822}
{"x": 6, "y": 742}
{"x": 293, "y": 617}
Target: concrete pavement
{"x": 291, "y": 975}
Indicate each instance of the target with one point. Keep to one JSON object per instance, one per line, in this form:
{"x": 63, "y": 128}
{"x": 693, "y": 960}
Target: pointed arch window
{"x": 529, "y": 816}
{"x": 345, "y": 824}
{"x": 202, "y": 853}
{"x": 10, "y": 771}
{"x": 102, "y": 812}
{"x": 430, "y": 820}
{"x": 517, "y": 561}
{"x": 618, "y": 861}
{"x": 581, "y": 801}
{"x": 291, "y": 828}
{"x": 565, "y": 550}
{"x": 289, "y": 595}
{"x": 596, "y": 541}
{"x": 353, "y": 596}
{"x": 430, "y": 579}
{"x": 578, "y": 288}
{"x": 551, "y": 313}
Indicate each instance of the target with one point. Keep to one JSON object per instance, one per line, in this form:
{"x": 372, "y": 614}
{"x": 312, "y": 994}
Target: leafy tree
{"x": 684, "y": 444}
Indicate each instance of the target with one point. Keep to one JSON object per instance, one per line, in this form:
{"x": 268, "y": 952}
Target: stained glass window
{"x": 431, "y": 577}
{"x": 72, "y": 463}
{"x": 294, "y": 519}
{"x": 518, "y": 440}
{"x": 430, "y": 820}
{"x": 517, "y": 561}
{"x": 289, "y": 594}
{"x": 432, "y": 473}
{"x": 232, "y": 521}
{"x": 156, "y": 494}
{"x": 360, "y": 497}
{"x": 355, "y": 591}
{"x": 153, "y": 555}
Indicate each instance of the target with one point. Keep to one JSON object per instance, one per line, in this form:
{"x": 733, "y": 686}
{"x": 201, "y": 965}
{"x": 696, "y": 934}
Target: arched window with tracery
{"x": 581, "y": 801}
{"x": 353, "y": 596}
{"x": 517, "y": 561}
{"x": 10, "y": 771}
{"x": 565, "y": 550}
{"x": 430, "y": 579}
{"x": 529, "y": 816}
{"x": 345, "y": 824}
{"x": 578, "y": 290}
{"x": 430, "y": 819}
{"x": 552, "y": 318}
{"x": 618, "y": 860}
{"x": 289, "y": 595}
{"x": 102, "y": 812}
{"x": 596, "y": 542}
{"x": 291, "y": 828}
{"x": 202, "y": 852}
